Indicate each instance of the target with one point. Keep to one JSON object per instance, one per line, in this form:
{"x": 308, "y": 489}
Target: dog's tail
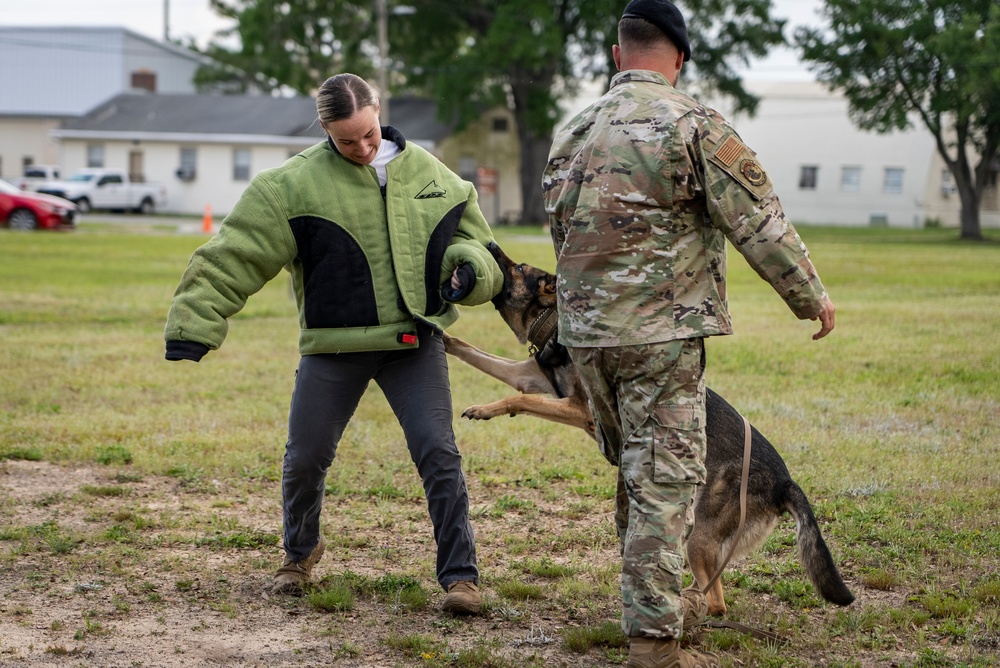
{"x": 813, "y": 552}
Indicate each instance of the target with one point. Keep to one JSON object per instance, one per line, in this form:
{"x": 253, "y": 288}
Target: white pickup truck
{"x": 35, "y": 176}
{"x": 96, "y": 188}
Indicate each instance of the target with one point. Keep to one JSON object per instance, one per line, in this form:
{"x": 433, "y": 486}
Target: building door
{"x": 135, "y": 167}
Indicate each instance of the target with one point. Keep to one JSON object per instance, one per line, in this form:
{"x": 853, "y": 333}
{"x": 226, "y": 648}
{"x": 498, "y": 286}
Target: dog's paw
{"x": 478, "y": 413}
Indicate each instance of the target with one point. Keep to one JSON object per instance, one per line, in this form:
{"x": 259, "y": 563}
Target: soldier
{"x": 642, "y": 189}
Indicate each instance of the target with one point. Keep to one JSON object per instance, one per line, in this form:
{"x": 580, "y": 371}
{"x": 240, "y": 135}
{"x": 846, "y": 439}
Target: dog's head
{"x": 527, "y": 292}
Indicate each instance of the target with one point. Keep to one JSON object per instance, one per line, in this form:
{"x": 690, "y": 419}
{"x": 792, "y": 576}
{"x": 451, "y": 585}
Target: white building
{"x": 828, "y": 172}
{"x": 206, "y": 148}
{"x": 51, "y": 74}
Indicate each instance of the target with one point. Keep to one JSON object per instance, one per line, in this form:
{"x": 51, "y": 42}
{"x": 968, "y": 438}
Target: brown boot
{"x": 667, "y": 653}
{"x": 293, "y": 575}
{"x": 695, "y": 606}
{"x": 463, "y": 598}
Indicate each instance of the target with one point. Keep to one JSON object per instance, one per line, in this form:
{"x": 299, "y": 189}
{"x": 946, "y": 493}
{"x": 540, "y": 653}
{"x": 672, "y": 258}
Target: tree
{"x": 936, "y": 59}
{"x": 530, "y": 53}
{"x": 293, "y": 44}
{"x": 470, "y": 55}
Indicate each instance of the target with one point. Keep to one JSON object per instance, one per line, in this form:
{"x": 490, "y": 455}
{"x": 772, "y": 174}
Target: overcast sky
{"x": 193, "y": 18}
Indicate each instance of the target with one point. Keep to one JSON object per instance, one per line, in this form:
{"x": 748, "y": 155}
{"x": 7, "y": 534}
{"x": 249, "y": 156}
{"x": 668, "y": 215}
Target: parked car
{"x": 95, "y": 188}
{"x": 35, "y": 175}
{"x": 22, "y": 210}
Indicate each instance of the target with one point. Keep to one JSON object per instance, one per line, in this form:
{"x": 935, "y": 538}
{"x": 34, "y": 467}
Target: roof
{"x": 65, "y": 39}
{"x": 237, "y": 115}
{"x": 65, "y": 70}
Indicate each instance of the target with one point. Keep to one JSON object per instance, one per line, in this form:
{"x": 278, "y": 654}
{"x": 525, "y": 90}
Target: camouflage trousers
{"x": 649, "y": 405}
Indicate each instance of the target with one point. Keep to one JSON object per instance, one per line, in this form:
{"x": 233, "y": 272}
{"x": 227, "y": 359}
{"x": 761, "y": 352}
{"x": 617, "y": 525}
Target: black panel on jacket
{"x": 338, "y": 286}
{"x": 436, "y": 246}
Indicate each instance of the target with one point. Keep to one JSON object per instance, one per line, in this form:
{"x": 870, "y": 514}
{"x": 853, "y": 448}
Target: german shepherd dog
{"x": 527, "y": 304}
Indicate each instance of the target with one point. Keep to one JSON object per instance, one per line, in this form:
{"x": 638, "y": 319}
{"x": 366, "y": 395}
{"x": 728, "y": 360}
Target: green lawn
{"x": 889, "y": 425}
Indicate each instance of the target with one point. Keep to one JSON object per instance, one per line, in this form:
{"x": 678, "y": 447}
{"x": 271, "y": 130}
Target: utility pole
{"x": 166, "y": 20}
{"x": 382, "y": 9}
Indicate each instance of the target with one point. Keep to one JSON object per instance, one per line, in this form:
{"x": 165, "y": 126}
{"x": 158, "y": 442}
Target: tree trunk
{"x": 968, "y": 194}
{"x": 969, "y": 191}
{"x": 971, "y": 230}
{"x": 534, "y": 155}
{"x": 529, "y": 90}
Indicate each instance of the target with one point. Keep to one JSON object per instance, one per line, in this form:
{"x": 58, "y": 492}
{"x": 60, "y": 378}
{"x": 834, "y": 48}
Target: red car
{"x": 22, "y": 210}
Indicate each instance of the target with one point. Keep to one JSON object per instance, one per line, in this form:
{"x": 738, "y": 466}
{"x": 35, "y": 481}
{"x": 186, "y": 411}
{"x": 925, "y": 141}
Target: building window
{"x": 187, "y": 169}
{"x": 95, "y": 155}
{"x": 850, "y": 179}
{"x": 947, "y": 183}
{"x": 807, "y": 177}
{"x": 467, "y": 168}
{"x": 499, "y": 124}
{"x": 144, "y": 80}
{"x": 893, "y": 183}
{"x": 27, "y": 161}
{"x": 241, "y": 164}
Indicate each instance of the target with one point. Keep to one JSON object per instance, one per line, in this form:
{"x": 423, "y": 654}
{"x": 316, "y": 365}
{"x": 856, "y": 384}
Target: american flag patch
{"x": 729, "y": 151}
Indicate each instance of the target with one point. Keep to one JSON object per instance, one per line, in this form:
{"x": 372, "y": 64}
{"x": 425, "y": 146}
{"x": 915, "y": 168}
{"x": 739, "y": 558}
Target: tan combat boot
{"x": 695, "y": 606}
{"x": 660, "y": 653}
{"x": 293, "y": 575}
{"x": 463, "y": 598}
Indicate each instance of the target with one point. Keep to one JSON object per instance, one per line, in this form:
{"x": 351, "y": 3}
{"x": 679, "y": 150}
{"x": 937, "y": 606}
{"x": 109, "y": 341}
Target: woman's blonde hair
{"x": 341, "y": 95}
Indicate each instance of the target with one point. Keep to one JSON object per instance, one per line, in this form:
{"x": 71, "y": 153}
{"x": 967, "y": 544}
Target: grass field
{"x": 139, "y": 499}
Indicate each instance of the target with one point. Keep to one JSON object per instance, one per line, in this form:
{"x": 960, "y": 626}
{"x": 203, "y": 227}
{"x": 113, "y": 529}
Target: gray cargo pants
{"x": 415, "y": 382}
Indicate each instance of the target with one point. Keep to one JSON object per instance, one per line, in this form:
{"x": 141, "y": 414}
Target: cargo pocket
{"x": 678, "y": 444}
{"x": 672, "y": 563}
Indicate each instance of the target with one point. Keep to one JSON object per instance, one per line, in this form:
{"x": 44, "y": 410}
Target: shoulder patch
{"x": 741, "y": 165}
{"x": 753, "y": 172}
{"x": 432, "y": 189}
{"x": 729, "y": 151}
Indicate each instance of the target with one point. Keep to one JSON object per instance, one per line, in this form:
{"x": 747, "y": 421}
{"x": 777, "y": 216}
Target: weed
{"x": 582, "y": 639}
{"x": 331, "y": 597}
{"x": 27, "y": 454}
{"x": 113, "y": 454}
{"x": 544, "y": 568}
{"x": 519, "y": 591}
{"x": 105, "y": 490}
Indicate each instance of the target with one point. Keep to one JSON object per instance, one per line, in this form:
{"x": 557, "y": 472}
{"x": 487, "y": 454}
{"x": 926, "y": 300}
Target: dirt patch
{"x": 170, "y": 595}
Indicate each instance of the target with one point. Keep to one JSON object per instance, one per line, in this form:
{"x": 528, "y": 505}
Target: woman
{"x": 381, "y": 240}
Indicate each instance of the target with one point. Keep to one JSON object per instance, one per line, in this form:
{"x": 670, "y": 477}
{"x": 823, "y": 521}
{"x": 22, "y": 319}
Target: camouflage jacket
{"x": 642, "y": 190}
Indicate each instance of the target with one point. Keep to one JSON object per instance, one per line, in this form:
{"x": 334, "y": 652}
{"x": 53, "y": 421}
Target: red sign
{"x": 487, "y": 179}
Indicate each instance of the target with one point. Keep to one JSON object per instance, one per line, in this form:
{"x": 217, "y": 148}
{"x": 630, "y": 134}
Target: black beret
{"x": 664, "y": 15}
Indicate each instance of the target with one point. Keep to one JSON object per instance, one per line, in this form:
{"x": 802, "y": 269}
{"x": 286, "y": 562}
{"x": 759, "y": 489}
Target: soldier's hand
{"x": 825, "y": 318}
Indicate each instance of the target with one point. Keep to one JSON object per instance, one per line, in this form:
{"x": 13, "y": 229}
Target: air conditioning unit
{"x": 185, "y": 173}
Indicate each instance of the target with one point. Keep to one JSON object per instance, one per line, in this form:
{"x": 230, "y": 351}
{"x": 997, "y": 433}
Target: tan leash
{"x": 744, "y": 484}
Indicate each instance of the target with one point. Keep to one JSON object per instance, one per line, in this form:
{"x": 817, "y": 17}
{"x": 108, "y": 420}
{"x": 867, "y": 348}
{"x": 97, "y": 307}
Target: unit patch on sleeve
{"x": 753, "y": 172}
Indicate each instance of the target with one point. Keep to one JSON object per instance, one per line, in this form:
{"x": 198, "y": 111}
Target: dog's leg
{"x": 567, "y": 411}
{"x": 526, "y": 376}
{"x": 703, "y": 566}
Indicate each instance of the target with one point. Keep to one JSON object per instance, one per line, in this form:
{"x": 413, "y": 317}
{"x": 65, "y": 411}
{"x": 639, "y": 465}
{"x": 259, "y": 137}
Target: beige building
{"x": 487, "y": 153}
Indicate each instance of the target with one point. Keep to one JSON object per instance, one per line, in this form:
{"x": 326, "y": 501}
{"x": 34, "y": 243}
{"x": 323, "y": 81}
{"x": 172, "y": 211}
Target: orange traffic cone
{"x": 206, "y": 221}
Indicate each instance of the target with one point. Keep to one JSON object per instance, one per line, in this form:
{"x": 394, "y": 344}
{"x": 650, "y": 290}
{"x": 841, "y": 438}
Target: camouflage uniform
{"x": 642, "y": 190}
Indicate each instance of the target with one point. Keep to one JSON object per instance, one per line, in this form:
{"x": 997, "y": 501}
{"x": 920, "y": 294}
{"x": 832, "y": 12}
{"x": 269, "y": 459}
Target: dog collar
{"x": 542, "y": 329}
